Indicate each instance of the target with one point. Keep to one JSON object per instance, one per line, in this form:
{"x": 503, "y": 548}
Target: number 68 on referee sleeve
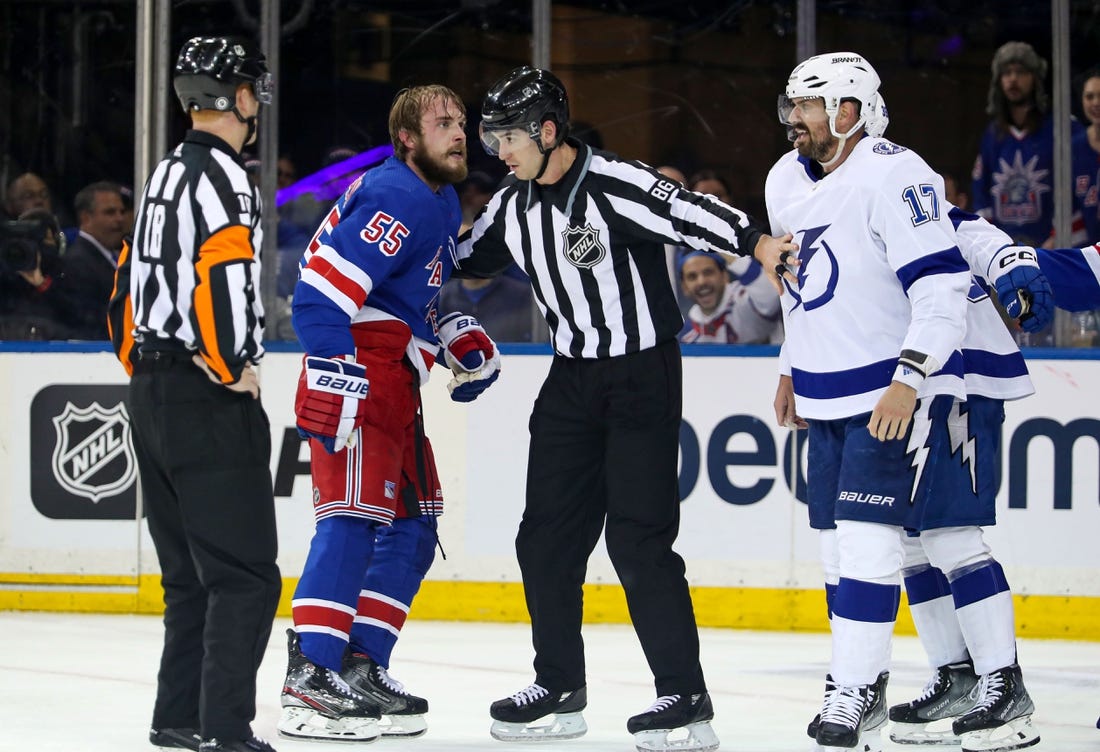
{"x": 331, "y": 401}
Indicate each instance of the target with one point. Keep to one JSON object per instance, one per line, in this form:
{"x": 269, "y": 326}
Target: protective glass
{"x": 264, "y": 87}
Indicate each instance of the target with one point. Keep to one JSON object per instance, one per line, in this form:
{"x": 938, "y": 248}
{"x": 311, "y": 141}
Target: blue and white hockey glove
{"x": 470, "y": 354}
{"x": 331, "y": 401}
{"x": 1022, "y": 287}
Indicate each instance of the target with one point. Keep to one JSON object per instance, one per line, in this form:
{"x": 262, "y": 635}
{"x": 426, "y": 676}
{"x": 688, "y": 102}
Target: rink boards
{"x": 71, "y": 535}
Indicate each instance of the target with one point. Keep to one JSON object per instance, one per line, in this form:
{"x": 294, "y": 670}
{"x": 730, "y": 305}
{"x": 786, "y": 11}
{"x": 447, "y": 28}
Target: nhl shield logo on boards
{"x": 82, "y": 461}
{"x": 582, "y": 246}
{"x": 92, "y": 456}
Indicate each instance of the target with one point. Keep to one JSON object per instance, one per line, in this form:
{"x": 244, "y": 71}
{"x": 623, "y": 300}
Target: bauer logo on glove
{"x": 471, "y": 355}
{"x": 331, "y": 401}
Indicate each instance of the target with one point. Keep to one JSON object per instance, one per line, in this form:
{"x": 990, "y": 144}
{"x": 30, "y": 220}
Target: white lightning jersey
{"x": 992, "y": 362}
{"x": 881, "y": 272}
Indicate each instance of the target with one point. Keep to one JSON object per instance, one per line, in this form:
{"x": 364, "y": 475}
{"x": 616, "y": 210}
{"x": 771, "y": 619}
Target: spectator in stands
{"x": 286, "y": 172}
{"x": 952, "y": 191}
{"x": 742, "y": 310}
{"x": 91, "y": 260}
{"x": 1013, "y": 175}
{"x": 1086, "y": 158}
{"x": 711, "y": 183}
{"x": 503, "y": 305}
{"x": 35, "y": 301}
{"x": 25, "y": 192}
{"x": 127, "y": 194}
{"x": 473, "y": 193}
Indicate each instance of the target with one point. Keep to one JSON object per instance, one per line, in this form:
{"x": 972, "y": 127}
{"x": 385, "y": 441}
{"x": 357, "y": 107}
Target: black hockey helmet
{"x": 209, "y": 70}
{"x": 525, "y": 99}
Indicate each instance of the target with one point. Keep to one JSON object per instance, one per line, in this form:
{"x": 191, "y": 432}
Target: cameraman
{"x": 35, "y": 300}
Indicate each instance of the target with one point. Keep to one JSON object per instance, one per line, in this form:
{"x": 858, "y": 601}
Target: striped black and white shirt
{"x": 194, "y": 265}
{"x": 593, "y": 245}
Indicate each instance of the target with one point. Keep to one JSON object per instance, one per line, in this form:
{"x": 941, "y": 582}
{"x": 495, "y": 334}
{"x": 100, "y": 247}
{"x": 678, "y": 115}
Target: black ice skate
{"x": 874, "y": 719}
{"x": 1001, "y": 718}
{"x": 852, "y": 717}
{"x": 538, "y": 714}
{"x": 319, "y": 704}
{"x": 950, "y": 692}
{"x": 175, "y": 738}
{"x": 402, "y": 713}
{"x": 675, "y": 722}
{"x": 253, "y": 744}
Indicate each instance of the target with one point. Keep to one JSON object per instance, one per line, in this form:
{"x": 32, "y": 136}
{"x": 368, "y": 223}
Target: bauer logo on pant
{"x": 82, "y": 457}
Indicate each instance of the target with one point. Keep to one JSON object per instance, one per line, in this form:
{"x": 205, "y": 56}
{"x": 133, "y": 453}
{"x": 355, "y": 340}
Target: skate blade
{"x": 869, "y": 741}
{"x": 932, "y": 734}
{"x": 695, "y": 737}
{"x": 550, "y": 728}
{"x": 403, "y": 726}
{"x": 306, "y": 723}
{"x": 1016, "y": 734}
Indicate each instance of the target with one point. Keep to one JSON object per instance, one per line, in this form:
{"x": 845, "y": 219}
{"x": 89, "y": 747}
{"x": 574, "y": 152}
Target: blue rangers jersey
{"x": 880, "y": 273}
{"x": 1012, "y": 181}
{"x": 381, "y": 254}
{"x": 1086, "y": 184}
{"x": 1074, "y": 276}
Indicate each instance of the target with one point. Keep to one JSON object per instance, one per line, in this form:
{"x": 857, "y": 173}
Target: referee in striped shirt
{"x": 589, "y": 229}
{"x": 186, "y": 317}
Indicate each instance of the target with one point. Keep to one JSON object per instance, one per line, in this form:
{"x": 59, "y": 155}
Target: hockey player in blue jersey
{"x": 875, "y": 323}
{"x": 365, "y": 312}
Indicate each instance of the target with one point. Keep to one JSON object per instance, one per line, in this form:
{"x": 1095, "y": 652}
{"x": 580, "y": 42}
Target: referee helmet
{"x": 524, "y": 99}
{"x": 209, "y": 70}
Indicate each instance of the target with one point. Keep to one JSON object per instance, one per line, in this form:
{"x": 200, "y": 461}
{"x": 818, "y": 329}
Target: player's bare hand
{"x": 785, "y": 414}
{"x": 776, "y": 255}
{"x": 891, "y": 416}
{"x": 247, "y": 383}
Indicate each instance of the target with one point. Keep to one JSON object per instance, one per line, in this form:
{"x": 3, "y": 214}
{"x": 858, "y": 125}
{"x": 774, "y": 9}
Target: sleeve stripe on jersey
{"x": 120, "y": 312}
{"x": 211, "y": 208}
{"x": 949, "y": 261}
{"x": 338, "y": 279}
{"x": 224, "y": 247}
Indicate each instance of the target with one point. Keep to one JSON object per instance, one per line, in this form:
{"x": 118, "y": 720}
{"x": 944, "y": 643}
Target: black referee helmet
{"x": 525, "y": 99}
{"x": 209, "y": 70}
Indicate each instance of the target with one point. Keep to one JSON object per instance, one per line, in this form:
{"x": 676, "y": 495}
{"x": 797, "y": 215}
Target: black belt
{"x": 150, "y": 360}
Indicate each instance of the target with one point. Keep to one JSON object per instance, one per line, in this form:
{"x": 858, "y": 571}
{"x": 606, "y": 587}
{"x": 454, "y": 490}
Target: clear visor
{"x": 784, "y": 107}
{"x": 491, "y": 139}
{"x": 263, "y": 87}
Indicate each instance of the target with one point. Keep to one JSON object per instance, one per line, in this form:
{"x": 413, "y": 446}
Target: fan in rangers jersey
{"x": 365, "y": 311}
{"x": 876, "y": 322}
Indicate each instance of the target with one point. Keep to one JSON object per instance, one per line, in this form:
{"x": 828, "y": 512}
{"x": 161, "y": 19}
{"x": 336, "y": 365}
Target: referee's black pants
{"x": 204, "y": 452}
{"x": 604, "y": 444}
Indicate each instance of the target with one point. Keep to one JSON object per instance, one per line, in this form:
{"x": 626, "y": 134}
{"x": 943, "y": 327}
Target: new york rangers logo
{"x": 582, "y": 246}
{"x": 93, "y": 456}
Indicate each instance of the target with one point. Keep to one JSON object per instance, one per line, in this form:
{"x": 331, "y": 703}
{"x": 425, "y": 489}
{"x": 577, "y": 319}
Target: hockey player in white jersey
{"x": 876, "y": 321}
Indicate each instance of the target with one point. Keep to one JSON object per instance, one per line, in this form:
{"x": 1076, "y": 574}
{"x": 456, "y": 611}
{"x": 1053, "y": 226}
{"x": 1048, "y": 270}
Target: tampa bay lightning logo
{"x": 888, "y": 147}
{"x": 818, "y": 274}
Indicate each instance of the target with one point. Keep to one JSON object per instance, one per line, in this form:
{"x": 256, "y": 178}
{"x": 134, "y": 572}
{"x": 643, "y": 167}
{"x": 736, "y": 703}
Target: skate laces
{"x": 662, "y": 703}
{"x": 529, "y": 695}
{"x": 390, "y": 683}
{"x": 929, "y": 688}
{"x": 843, "y": 706}
{"x": 340, "y": 685}
{"x": 990, "y": 690}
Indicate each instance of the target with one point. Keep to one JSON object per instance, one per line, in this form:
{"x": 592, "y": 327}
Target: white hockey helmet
{"x": 836, "y": 77}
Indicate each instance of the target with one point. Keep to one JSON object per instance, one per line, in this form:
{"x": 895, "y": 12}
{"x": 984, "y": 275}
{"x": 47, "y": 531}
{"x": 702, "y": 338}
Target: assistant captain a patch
{"x": 582, "y": 246}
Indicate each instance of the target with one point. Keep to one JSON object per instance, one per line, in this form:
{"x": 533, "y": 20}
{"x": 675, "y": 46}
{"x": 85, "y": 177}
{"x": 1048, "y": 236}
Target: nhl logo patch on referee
{"x": 582, "y": 246}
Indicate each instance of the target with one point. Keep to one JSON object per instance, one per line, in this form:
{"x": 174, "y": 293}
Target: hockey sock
{"x": 403, "y": 553}
{"x": 325, "y": 600}
{"x": 933, "y": 611}
{"x": 983, "y": 604}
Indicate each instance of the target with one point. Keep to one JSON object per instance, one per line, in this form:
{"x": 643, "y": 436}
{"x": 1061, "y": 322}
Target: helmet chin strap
{"x": 249, "y": 121}
{"x": 842, "y": 140}
{"x": 545, "y": 161}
